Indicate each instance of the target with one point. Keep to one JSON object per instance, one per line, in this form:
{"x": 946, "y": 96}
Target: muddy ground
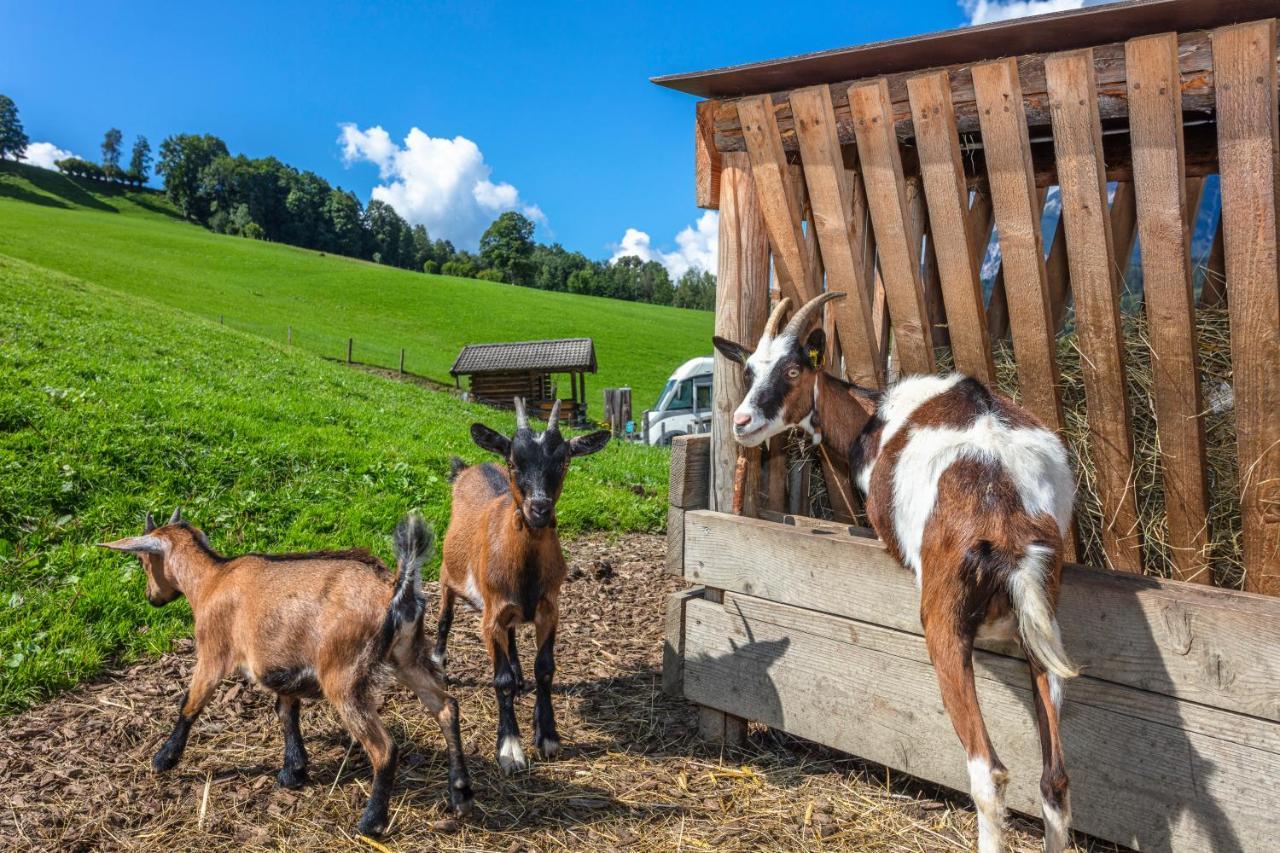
{"x": 75, "y": 772}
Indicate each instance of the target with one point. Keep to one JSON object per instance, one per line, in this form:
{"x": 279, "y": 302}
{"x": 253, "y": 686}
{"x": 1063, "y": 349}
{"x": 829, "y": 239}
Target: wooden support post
{"x": 289, "y": 335}
{"x": 1077, "y": 137}
{"x": 706, "y": 159}
{"x": 714, "y": 725}
{"x": 953, "y": 234}
{"x": 1155, "y": 123}
{"x": 831, "y": 199}
{"x": 881, "y": 164}
{"x": 1013, "y": 196}
{"x": 742, "y": 288}
{"x": 1245, "y": 71}
{"x": 402, "y": 361}
{"x": 350, "y": 346}
{"x": 673, "y": 640}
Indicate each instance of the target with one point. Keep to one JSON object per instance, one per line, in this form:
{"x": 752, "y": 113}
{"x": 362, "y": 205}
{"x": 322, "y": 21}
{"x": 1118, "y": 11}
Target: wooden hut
{"x": 497, "y": 373}
{"x": 886, "y": 171}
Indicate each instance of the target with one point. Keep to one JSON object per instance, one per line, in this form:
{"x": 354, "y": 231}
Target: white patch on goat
{"x": 440, "y": 659}
{"x": 1036, "y": 621}
{"x": 987, "y": 788}
{"x": 511, "y": 754}
{"x": 763, "y": 362}
{"x": 906, "y": 396}
{"x": 1034, "y": 460}
{"x": 1057, "y": 825}
{"x": 472, "y": 592}
{"x": 1056, "y": 685}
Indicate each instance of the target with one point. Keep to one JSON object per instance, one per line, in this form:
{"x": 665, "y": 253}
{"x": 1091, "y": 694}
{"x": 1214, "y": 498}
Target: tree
{"x": 182, "y": 159}
{"x": 696, "y": 289}
{"x": 140, "y": 161}
{"x": 507, "y": 246}
{"x": 386, "y": 230}
{"x": 111, "y": 150}
{"x": 421, "y": 248}
{"x": 13, "y": 140}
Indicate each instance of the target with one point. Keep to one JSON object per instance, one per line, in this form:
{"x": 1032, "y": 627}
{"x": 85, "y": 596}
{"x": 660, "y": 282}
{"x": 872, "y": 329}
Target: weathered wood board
{"x": 1213, "y": 646}
{"x": 869, "y": 690}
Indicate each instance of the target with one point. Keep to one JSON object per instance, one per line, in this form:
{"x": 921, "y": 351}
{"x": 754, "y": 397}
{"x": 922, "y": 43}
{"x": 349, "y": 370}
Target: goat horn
{"x": 800, "y": 322}
{"x": 553, "y": 419}
{"x": 522, "y": 420}
{"x": 149, "y": 524}
{"x": 177, "y": 515}
{"x": 779, "y": 311}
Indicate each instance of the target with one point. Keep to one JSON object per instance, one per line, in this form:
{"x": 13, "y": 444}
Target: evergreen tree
{"x": 140, "y": 161}
{"x": 111, "y": 150}
{"x": 13, "y": 141}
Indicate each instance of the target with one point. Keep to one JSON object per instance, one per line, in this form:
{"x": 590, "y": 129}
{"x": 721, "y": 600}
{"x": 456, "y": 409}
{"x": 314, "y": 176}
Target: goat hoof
{"x": 292, "y": 778}
{"x": 511, "y": 755}
{"x": 461, "y": 797}
{"x": 549, "y": 746}
{"x": 164, "y": 760}
{"x": 372, "y": 825}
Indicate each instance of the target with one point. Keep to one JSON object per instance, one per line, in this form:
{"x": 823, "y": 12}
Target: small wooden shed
{"x": 500, "y": 372}
{"x": 889, "y": 171}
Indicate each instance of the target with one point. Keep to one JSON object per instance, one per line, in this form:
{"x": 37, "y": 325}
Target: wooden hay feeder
{"x": 882, "y": 171}
{"x": 500, "y": 372}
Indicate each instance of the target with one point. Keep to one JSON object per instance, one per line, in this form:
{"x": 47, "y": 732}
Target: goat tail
{"x": 456, "y": 467}
{"x": 414, "y": 543}
{"x": 1037, "y": 622}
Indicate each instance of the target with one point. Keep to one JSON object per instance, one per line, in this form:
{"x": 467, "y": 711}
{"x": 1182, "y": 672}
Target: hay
{"x": 1224, "y": 548}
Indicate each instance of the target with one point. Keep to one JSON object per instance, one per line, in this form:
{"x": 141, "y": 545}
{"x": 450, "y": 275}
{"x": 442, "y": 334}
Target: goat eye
{"x": 793, "y": 372}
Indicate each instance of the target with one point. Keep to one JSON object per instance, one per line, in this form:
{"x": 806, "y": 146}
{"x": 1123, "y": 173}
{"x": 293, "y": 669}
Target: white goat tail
{"x": 1036, "y": 621}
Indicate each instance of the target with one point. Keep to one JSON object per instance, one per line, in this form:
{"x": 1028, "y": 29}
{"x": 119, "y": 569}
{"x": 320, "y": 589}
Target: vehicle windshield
{"x": 676, "y": 396}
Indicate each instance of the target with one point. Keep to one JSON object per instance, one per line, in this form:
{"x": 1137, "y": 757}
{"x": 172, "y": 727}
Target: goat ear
{"x": 177, "y": 515}
{"x": 592, "y": 442}
{"x": 149, "y": 523}
{"x": 491, "y": 440}
{"x": 815, "y": 348}
{"x": 867, "y": 398}
{"x": 136, "y": 545}
{"x": 730, "y": 350}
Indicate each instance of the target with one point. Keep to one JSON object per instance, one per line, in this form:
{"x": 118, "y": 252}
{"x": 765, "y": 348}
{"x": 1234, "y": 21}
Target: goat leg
{"x": 545, "y": 736}
{"x": 203, "y": 682}
{"x": 505, "y": 685}
{"x": 294, "y": 772}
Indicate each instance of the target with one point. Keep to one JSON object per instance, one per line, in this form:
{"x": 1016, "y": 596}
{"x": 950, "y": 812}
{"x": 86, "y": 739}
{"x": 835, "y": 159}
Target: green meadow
{"x": 112, "y": 404}
{"x": 133, "y": 242}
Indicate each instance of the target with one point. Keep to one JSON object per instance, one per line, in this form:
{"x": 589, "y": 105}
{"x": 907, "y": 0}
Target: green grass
{"x": 129, "y": 241}
{"x": 112, "y": 404}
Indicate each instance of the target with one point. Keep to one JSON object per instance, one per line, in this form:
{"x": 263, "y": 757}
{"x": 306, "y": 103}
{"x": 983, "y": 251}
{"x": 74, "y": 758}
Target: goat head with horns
{"x": 781, "y": 374}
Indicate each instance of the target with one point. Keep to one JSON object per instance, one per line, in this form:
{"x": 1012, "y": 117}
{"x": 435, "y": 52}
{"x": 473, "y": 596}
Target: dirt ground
{"x": 75, "y": 772}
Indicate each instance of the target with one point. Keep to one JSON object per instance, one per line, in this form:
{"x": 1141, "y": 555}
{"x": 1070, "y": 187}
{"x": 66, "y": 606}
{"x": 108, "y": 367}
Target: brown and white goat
{"x": 502, "y": 557}
{"x": 966, "y": 489}
{"x": 325, "y": 623}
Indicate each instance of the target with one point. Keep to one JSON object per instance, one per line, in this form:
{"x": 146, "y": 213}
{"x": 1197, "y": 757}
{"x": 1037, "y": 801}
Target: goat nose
{"x": 741, "y": 419}
{"x": 541, "y": 506}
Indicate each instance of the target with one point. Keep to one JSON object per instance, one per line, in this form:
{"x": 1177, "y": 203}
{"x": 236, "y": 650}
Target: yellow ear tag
{"x": 815, "y": 356}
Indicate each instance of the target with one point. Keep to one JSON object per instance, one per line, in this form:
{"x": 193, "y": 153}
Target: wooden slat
{"x": 1245, "y": 68}
{"x": 831, "y": 195}
{"x": 742, "y": 281}
{"x": 690, "y": 483}
{"x": 1155, "y": 124}
{"x": 1140, "y": 774}
{"x": 1077, "y": 135}
{"x": 887, "y": 198}
{"x": 777, "y": 201}
{"x": 1013, "y": 196}
{"x": 1207, "y": 645}
{"x": 706, "y": 158}
{"x": 951, "y": 227}
{"x": 675, "y": 541}
{"x": 930, "y": 276}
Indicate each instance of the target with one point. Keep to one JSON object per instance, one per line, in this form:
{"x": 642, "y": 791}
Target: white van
{"x": 684, "y": 406}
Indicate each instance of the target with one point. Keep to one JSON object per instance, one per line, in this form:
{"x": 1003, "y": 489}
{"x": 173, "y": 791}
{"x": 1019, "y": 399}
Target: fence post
{"x": 221, "y": 320}
{"x": 350, "y": 343}
{"x": 402, "y": 361}
{"x": 291, "y": 336}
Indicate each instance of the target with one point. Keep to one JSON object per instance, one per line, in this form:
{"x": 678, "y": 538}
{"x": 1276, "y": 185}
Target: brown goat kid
{"x": 327, "y": 623}
{"x": 502, "y": 557}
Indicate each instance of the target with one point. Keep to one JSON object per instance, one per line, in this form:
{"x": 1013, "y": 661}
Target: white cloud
{"x": 44, "y": 155}
{"x": 987, "y": 11}
{"x": 440, "y": 183}
{"x": 696, "y": 247}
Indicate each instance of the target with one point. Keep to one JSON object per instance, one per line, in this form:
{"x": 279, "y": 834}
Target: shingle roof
{"x": 569, "y": 354}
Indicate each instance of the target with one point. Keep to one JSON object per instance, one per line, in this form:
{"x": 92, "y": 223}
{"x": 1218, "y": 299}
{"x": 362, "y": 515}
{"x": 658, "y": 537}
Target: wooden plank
{"x": 930, "y": 276}
{"x": 953, "y": 231}
{"x": 742, "y": 282}
{"x": 1077, "y": 137}
{"x": 690, "y": 485}
{"x": 1244, "y": 65}
{"x": 887, "y": 199}
{"x": 777, "y": 202}
{"x": 673, "y": 652}
{"x": 1213, "y": 646}
{"x": 1196, "y": 86}
{"x": 706, "y": 157}
{"x": 831, "y": 195}
{"x": 871, "y": 691}
{"x": 675, "y": 541}
{"x": 1155, "y": 125}
{"x": 1013, "y": 196}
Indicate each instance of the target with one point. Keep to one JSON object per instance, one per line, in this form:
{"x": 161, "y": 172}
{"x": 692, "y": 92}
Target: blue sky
{"x": 554, "y": 99}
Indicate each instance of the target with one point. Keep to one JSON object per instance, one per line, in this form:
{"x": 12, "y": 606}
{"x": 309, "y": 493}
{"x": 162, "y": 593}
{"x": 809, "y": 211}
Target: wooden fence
{"x": 891, "y": 186}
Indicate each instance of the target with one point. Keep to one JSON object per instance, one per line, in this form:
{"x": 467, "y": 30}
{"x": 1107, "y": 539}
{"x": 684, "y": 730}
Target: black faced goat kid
{"x": 502, "y": 557}
{"x": 332, "y": 624}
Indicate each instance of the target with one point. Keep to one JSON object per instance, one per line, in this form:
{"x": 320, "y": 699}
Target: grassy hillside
{"x": 112, "y": 404}
{"x": 129, "y": 242}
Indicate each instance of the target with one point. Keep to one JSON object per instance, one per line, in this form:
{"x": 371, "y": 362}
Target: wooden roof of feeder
{"x": 568, "y": 355}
